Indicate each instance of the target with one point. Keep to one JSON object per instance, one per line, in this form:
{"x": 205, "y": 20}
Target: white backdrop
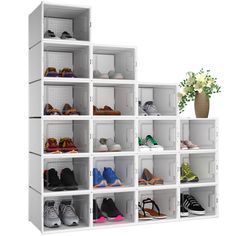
{"x": 173, "y": 37}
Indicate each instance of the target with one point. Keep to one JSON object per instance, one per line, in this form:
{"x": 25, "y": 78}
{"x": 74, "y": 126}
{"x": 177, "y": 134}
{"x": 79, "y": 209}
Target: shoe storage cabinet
{"x": 83, "y": 92}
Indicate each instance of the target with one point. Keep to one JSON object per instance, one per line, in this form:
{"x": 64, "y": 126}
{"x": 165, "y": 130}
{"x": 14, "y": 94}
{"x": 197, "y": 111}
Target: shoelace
{"x": 187, "y": 170}
{"x": 69, "y": 210}
{"x": 112, "y": 174}
{"x": 191, "y": 200}
{"x": 53, "y": 177}
{"x": 50, "y": 211}
{"x": 113, "y": 206}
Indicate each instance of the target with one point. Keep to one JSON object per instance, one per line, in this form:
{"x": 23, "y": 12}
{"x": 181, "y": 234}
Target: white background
{"x": 173, "y": 37}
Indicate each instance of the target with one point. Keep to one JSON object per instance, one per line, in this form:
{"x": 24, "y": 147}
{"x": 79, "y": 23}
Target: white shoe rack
{"x": 85, "y": 91}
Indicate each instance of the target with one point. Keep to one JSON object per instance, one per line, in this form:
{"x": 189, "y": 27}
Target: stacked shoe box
{"x": 105, "y": 149}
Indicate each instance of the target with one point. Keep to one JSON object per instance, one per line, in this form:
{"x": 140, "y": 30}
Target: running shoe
{"x": 67, "y": 213}
{"x": 98, "y": 180}
{"x": 51, "y": 219}
{"x": 110, "y": 210}
{"x": 187, "y": 172}
{"x": 98, "y": 217}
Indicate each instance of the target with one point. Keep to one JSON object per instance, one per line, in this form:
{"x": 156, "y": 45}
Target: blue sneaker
{"x": 98, "y": 180}
{"x": 111, "y": 177}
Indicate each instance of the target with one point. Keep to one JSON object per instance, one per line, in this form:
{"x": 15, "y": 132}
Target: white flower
{"x": 201, "y": 77}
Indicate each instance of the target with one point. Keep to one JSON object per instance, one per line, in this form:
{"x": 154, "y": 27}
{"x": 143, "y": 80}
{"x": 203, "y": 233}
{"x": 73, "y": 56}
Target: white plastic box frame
{"x": 118, "y": 96}
{"x": 119, "y": 59}
{"x": 77, "y": 95}
{"x": 85, "y": 91}
{"x": 69, "y": 56}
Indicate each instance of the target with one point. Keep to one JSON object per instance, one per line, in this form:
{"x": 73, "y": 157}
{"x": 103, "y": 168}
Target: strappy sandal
{"x": 51, "y": 72}
{"x": 66, "y": 72}
{"x": 142, "y": 214}
{"x": 153, "y": 180}
{"x": 49, "y": 110}
{"x": 51, "y": 146}
{"x": 67, "y": 145}
{"x": 69, "y": 110}
{"x": 156, "y": 214}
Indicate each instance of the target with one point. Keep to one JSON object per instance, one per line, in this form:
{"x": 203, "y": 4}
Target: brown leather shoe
{"x": 49, "y": 110}
{"x": 69, "y": 110}
{"x": 153, "y": 180}
{"x": 105, "y": 111}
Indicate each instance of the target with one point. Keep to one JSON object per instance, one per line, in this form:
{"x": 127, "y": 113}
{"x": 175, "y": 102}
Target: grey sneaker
{"x": 141, "y": 112}
{"x": 99, "y": 145}
{"x": 151, "y": 109}
{"x": 67, "y": 213}
{"x": 51, "y": 218}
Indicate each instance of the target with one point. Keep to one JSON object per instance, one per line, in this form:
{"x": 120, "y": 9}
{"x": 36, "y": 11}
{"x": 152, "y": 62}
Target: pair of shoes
{"x": 146, "y": 213}
{"x": 105, "y": 145}
{"x": 66, "y": 182}
{"x": 148, "y": 109}
{"x": 108, "y": 211}
{"x": 106, "y": 110}
{"x": 51, "y": 35}
{"x": 65, "y": 145}
{"x": 149, "y": 178}
{"x": 65, "y": 72}
{"x": 66, "y": 215}
{"x": 67, "y": 110}
{"x": 110, "y": 75}
{"x": 187, "y": 174}
{"x": 108, "y": 178}
{"x": 149, "y": 144}
{"x": 188, "y": 204}
{"x": 187, "y": 144}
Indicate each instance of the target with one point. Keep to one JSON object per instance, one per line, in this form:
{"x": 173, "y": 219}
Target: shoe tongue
{"x": 66, "y": 202}
{"x": 103, "y": 140}
{"x": 107, "y": 169}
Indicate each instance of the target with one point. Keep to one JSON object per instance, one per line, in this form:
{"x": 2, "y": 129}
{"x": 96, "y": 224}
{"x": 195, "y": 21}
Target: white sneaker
{"x": 98, "y": 146}
{"x": 112, "y": 146}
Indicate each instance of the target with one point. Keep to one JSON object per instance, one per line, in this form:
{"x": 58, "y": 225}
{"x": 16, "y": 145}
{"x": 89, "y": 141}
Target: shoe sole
{"x": 100, "y": 220}
{"x": 71, "y": 188}
{"x": 196, "y": 212}
{"x": 56, "y": 189}
{"x": 185, "y": 214}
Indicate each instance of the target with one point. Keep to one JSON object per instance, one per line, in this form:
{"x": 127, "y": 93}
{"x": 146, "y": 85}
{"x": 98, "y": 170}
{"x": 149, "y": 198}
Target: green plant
{"x": 201, "y": 82}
